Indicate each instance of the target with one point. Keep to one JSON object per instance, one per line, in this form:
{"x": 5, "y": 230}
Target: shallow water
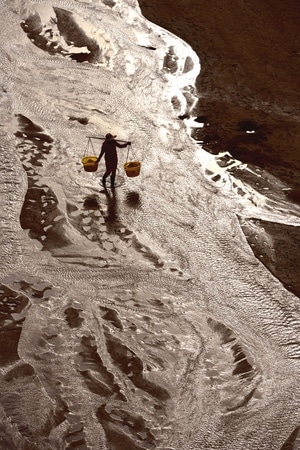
{"x": 139, "y": 318}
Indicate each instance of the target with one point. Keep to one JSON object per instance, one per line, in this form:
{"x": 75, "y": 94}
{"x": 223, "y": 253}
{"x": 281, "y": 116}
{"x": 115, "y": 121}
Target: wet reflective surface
{"x": 134, "y": 318}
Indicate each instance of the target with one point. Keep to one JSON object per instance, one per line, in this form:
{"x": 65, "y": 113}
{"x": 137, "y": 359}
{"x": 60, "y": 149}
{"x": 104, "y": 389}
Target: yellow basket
{"x": 90, "y": 163}
{"x": 132, "y": 168}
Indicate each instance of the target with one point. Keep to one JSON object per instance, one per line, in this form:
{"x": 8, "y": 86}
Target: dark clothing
{"x": 109, "y": 150}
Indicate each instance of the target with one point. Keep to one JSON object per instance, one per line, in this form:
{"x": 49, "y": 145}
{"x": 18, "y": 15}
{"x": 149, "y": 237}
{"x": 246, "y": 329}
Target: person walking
{"x": 109, "y": 150}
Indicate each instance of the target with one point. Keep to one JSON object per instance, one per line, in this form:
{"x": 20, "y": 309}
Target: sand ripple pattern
{"x": 135, "y": 319}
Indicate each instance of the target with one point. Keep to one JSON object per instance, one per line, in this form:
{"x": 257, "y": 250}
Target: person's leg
{"x": 113, "y": 176}
{"x": 104, "y": 178}
{"x": 108, "y": 171}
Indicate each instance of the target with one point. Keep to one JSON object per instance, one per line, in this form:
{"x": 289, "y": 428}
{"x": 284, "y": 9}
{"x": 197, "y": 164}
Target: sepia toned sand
{"x": 131, "y": 319}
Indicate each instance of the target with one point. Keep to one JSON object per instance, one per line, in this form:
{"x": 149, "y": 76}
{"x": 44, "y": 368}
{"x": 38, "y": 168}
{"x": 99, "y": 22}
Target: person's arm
{"x": 101, "y": 153}
{"x": 122, "y": 145}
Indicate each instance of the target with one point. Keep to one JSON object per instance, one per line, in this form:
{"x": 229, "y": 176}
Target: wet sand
{"x": 249, "y": 81}
{"x": 106, "y": 343}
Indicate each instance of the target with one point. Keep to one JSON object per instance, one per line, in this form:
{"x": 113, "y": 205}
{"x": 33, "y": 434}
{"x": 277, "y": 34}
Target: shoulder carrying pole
{"x": 103, "y": 138}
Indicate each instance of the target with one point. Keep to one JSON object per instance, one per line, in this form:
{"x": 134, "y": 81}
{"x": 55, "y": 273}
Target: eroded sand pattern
{"x": 134, "y": 318}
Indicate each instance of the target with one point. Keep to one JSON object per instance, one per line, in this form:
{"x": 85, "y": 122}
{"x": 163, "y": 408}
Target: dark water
{"x": 248, "y": 104}
{"x": 249, "y": 55}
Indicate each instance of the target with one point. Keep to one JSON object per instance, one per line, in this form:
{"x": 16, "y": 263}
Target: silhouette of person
{"x": 109, "y": 150}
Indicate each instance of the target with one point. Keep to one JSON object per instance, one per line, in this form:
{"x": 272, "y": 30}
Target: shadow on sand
{"x": 111, "y": 199}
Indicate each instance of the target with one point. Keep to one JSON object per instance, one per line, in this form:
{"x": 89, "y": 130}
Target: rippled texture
{"x": 140, "y": 318}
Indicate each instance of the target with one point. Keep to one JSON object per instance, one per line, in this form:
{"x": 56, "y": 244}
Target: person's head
{"x": 109, "y": 137}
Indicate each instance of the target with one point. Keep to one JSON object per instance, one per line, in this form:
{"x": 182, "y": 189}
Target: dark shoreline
{"x": 250, "y": 64}
{"x": 249, "y": 81}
